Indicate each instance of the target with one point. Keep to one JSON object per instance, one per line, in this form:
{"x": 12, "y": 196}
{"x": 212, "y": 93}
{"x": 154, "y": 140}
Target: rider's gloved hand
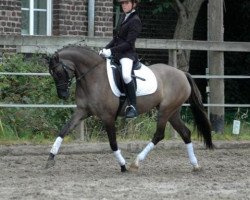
{"x": 100, "y": 52}
{"x": 105, "y": 53}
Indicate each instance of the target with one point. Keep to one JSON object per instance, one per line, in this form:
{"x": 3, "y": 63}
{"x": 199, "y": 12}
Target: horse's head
{"x": 62, "y": 71}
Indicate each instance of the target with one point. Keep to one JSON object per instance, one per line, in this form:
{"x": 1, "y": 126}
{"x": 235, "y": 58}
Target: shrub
{"x": 21, "y": 122}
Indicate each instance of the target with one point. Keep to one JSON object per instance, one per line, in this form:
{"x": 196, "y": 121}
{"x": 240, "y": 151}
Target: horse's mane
{"x": 77, "y": 47}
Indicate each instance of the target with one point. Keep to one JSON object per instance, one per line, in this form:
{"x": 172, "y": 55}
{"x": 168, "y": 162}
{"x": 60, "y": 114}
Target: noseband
{"x": 69, "y": 80}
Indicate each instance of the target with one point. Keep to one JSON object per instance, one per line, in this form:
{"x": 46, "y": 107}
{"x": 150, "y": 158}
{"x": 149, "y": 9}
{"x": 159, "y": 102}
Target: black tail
{"x": 202, "y": 123}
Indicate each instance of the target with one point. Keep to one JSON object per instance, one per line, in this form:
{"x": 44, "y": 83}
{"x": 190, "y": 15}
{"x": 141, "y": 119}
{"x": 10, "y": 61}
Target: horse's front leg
{"x": 70, "y": 125}
{"x": 110, "y": 128}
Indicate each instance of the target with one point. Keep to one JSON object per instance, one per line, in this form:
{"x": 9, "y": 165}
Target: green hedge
{"x": 29, "y": 122}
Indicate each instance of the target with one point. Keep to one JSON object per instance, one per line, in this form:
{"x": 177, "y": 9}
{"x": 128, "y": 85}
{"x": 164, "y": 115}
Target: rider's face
{"x": 126, "y": 6}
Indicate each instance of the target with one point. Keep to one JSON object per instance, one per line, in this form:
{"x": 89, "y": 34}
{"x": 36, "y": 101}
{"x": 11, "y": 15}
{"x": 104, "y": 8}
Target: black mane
{"x": 76, "y": 46}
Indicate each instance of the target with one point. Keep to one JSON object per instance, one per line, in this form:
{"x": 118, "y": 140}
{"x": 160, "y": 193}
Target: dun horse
{"x": 94, "y": 96}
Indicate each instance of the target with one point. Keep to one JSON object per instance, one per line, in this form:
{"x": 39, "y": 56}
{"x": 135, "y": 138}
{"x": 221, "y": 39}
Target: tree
{"x": 187, "y": 11}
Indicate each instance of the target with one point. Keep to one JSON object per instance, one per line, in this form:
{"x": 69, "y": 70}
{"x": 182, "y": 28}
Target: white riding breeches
{"x": 127, "y": 65}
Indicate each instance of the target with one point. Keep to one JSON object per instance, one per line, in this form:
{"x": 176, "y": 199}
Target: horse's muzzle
{"x": 62, "y": 94}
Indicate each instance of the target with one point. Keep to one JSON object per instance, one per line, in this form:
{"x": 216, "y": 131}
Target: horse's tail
{"x": 202, "y": 123}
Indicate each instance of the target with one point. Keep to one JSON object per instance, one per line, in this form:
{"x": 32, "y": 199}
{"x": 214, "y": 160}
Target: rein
{"x": 65, "y": 67}
{"x": 84, "y": 74}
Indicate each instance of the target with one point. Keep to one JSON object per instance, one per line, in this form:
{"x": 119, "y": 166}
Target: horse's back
{"x": 171, "y": 81}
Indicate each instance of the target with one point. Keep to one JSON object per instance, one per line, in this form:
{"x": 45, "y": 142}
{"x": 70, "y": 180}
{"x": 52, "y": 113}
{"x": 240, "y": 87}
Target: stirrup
{"x": 131, "y": 112}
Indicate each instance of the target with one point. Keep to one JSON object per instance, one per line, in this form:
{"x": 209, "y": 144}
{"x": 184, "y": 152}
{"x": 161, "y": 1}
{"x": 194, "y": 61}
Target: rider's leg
{"x": 127, "y": 65}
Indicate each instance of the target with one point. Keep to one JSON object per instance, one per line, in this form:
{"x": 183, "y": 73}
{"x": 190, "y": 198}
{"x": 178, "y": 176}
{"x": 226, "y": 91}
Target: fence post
{"x": 83, "y": 131}
{"x": 216, "y": 64}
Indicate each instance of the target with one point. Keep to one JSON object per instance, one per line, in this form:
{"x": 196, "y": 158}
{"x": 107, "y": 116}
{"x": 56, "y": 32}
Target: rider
{"x": 122, "y": 48}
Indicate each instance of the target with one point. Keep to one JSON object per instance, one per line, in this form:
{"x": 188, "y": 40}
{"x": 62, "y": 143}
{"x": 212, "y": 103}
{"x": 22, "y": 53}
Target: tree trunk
{"x": 187, "y": 13}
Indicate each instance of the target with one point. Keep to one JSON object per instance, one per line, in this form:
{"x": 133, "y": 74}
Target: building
{"x": 54, "y": 17}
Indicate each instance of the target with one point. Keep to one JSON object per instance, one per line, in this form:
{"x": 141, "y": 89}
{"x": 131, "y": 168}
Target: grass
{"x": 228, "y": 135}
{"x": 140, "y": 129}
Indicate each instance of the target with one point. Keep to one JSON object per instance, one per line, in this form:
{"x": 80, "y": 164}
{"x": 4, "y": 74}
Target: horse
{"x": 94, "y": 97}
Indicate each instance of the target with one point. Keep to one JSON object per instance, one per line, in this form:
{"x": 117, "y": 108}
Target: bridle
{"x": 69, "y": 80}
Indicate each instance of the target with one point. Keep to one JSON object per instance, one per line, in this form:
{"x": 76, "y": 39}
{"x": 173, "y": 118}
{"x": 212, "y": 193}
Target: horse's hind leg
{"x": 158, "y": 136}
{"x": 185, "y": 134}
{"x": 70, "y": 125}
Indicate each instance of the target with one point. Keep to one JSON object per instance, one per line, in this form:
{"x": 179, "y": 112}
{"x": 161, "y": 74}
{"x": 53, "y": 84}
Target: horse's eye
{"x": 60, "y": 74}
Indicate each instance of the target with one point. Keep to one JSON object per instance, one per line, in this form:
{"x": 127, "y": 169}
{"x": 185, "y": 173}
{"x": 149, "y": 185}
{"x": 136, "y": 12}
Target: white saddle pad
{"x": 146, "y": 87}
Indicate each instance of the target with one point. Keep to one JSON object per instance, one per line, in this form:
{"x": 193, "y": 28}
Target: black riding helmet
{"x": 133, "y": 2}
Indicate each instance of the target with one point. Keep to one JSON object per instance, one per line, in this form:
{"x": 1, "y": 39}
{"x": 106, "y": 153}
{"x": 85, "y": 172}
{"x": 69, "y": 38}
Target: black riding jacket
{"x": 123, "y": 43}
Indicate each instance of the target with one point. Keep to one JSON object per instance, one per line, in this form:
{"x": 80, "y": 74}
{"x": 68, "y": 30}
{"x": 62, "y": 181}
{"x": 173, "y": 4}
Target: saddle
{"x": 143, "y": 77}
{"x": 117, "y": 74}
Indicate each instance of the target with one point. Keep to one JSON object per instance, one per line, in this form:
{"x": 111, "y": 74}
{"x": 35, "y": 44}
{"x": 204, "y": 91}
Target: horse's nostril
{"x": 63, "y": 97}
{"x": 63, "y": 94}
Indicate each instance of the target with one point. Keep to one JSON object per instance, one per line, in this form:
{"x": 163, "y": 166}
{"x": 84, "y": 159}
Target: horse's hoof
{"x": 197, "y": 168}
{"x": 133, "y": 167}
{"x": 50, "y": 162}
{"x": 123, "y": 168}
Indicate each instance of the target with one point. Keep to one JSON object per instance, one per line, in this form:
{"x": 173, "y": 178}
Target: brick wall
{"x": 104, "y": 18}
{"x": 10, "y": 17}
{"x": 10, "y": 21}
{"x": 71, "y": 17}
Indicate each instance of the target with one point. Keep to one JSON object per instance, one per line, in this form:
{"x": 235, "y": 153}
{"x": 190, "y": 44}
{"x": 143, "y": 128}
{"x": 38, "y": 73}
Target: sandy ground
{"x": 89, "y": 171}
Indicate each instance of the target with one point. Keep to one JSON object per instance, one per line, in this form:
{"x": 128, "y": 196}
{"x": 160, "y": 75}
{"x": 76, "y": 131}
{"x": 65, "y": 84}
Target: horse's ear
{"x": 48, "y": 59}
{"x": 56, "y": 57}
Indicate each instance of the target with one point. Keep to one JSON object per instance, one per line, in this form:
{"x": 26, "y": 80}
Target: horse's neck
{"x": 89, "y": 66}
{"x": 84, "y": 60}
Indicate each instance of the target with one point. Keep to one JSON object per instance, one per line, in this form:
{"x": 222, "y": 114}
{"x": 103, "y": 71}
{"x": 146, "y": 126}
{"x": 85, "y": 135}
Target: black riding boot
{"x": 131, "y": 111}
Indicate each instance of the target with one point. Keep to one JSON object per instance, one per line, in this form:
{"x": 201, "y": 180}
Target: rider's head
{"x": 128, "y": 5}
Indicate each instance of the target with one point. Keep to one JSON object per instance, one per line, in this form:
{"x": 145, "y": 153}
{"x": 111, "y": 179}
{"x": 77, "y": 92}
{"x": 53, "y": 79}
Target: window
{"x": 36, "y": 17}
